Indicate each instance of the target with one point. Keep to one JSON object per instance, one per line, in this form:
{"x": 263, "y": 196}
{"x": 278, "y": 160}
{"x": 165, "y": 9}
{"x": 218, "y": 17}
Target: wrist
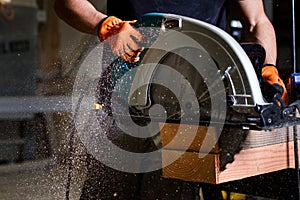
{"x": 99, "y": 26}
{"x": 268, "y": 64}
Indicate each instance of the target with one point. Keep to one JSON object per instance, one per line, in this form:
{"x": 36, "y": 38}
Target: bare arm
{"x": 80, "y": 14}
{"x": 258, "y": 27}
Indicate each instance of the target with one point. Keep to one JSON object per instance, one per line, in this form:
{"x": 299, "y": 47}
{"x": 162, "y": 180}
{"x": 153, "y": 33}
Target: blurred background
{"x": 39, "y": 56}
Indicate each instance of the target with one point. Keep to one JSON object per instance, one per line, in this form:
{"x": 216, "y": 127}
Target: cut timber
{"x": 183, "y": 131}
{"x": 261, "y": 152}
{"x": 190, "y": 166}
{"x": 261, "y": 160}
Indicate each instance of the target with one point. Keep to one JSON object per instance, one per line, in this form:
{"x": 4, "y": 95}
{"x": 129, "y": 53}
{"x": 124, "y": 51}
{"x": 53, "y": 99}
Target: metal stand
{"x": 295, "y": 133}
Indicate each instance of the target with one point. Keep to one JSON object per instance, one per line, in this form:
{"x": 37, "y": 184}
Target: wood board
{"x": 260, "y": 152}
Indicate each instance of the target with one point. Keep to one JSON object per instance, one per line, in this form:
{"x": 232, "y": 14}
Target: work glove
{"x": 274, "y": 83}
{"x": 122, "y": 37}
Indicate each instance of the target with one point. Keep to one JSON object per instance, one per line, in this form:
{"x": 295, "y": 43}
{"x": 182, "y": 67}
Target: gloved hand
{"x": 123, "y": 38}
{"x": 270, "y": 76}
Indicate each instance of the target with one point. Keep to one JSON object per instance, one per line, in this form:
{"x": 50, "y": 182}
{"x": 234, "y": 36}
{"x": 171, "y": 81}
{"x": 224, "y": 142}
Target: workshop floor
{"x": 17, "y": 183}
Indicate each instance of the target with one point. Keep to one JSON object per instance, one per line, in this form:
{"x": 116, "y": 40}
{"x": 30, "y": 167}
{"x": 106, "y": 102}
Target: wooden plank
{"x": 257, "y": 138}
{"x": 190, "y": 167}
{"x": 183, "y": 132}
{"x": 205, "y": 140}
{"x": 256, "y": 161}
{"x": 247, "y": 163}
{"x": 254, "y": 138}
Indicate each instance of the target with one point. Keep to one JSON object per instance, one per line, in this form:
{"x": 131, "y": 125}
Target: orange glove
{"x": 122, "y": 37}
{"x": 270, "y": 75}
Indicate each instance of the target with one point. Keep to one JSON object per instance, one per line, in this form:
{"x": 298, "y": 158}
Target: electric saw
{"x": 193, "y": 72}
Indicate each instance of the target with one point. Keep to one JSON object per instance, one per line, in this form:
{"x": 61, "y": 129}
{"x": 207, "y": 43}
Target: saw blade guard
{"x": 196, "y": 49}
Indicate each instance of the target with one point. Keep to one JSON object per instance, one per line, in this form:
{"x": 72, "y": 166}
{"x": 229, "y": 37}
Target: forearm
{"x": 258, "y": 28}
{"x": 80, "y": 14}
{"x": 263, "y": 33}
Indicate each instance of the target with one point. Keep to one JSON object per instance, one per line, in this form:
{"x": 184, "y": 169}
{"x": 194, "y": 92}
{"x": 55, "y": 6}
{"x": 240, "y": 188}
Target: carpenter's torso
{"x": 211, "y": 11}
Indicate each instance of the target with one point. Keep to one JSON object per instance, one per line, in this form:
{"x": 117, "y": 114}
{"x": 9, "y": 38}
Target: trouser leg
{"x": 105, "y": 183}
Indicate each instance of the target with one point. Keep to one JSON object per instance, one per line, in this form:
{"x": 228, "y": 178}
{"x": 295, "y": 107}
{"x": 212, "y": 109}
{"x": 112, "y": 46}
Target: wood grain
{"x": 261, "y": 160}
{"x": 190, "y": 167}
{"x": 184, "y": 132}
{"x": 262, "y": 152}
{"x": 263, "y": 138}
